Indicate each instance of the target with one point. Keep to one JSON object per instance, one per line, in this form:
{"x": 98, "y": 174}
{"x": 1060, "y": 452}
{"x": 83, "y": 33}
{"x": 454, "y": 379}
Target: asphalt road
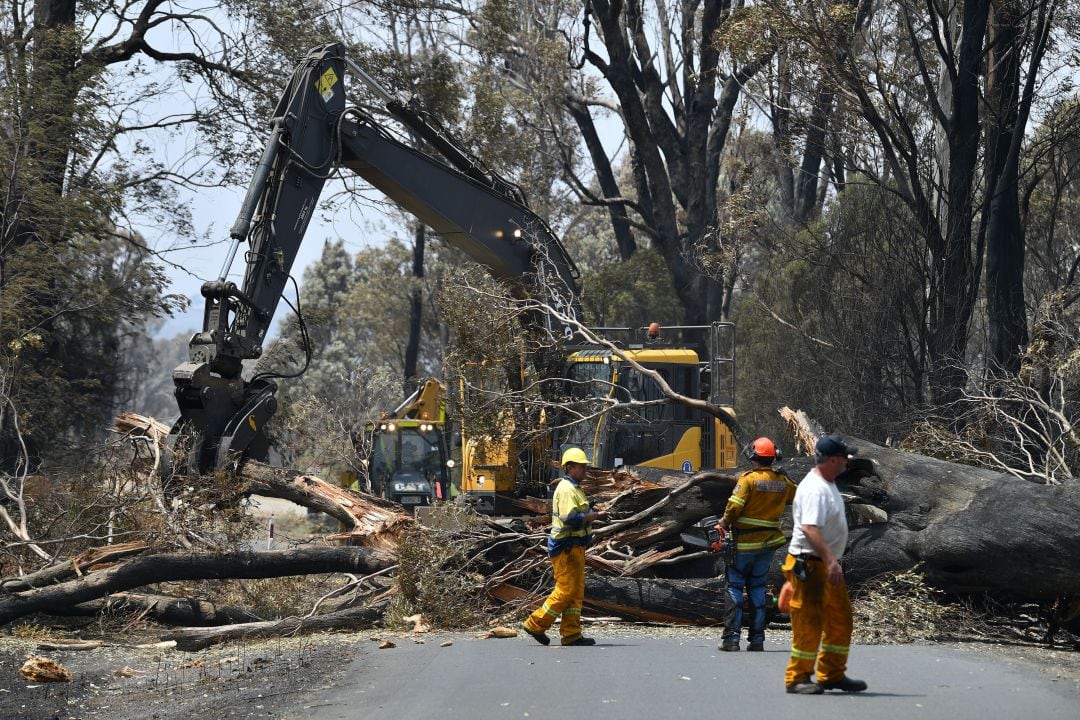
{"x": 628, "y": 676}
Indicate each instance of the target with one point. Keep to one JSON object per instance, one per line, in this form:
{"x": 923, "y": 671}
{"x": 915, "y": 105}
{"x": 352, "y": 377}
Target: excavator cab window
{"x": 634, "y": 386}
{"x": 585, "y": 380}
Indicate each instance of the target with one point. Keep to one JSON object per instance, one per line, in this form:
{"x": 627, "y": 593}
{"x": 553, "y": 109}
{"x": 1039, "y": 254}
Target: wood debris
{"x": 387, "y": 644}
{"x": 499, "y": 632}
{"x": 903, "y": 508}
{"x": 419, "y": 626}
{"x": 43, "y": 669}
{"x": 70, "y": 645}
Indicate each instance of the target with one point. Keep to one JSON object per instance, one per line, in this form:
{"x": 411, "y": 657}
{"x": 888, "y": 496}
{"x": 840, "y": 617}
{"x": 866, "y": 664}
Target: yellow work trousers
{"x": 821, "y": 625}
{"x": 565, "y": 599}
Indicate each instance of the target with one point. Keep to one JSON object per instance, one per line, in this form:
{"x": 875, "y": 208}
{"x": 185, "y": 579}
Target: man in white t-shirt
{"x": 821, "y": 621}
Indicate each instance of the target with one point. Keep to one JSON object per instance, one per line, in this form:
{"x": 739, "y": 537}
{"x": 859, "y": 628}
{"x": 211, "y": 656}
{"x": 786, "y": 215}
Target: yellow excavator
{"x": 624, "y": 419}
{"x": 316, "y": 133}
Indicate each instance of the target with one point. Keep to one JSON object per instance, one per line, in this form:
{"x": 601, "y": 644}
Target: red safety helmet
{"x": 763, "y": 450}
{"x": 763, "y": 447}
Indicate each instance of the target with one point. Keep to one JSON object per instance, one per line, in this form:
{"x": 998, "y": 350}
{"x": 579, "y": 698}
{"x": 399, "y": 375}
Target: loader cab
{"x": 409, "y": 462}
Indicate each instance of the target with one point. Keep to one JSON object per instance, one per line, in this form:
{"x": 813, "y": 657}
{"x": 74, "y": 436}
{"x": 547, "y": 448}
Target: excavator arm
{"x": 314, "y": 134}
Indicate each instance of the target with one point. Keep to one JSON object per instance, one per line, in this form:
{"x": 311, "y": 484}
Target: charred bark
{"x": 162, "y": 568}
{"x": 70, "y": 568}
{"x": 165, "y": 609}
{"x": 348, "y": 619}
{"x": 966, "y": 529}
{"x": 697, "y": 602}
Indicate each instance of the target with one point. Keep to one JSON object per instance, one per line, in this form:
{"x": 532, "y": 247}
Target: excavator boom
{"x": 314, "y": 134}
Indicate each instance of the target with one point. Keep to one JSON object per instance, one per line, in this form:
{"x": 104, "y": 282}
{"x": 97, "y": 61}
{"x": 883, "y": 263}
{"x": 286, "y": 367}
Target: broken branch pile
{"x": 968, "y": 530}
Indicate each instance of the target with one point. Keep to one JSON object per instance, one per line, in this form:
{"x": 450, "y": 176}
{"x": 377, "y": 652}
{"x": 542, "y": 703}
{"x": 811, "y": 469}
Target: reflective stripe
{"x": 758, "y": 522}
{"x": 803, "y": 655}
{"x": 734, "y": 500}
{"x": 548, "y": 611}
{"x": 571, "y": 611}
{"x": 838, "y": 649}
{"x": 764, "y": 545}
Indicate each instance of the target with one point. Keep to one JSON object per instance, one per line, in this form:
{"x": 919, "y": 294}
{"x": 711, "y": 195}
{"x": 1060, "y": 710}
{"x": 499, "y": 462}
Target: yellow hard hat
{"x": 575, "y": 455}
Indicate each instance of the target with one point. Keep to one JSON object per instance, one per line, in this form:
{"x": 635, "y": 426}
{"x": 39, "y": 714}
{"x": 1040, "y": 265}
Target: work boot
{"x": 755, "y": 647}
{"x": 728, "y": 646}
{"x": 804, "y": 688}
{"x": 845, "y": 683}
{"x": 539, "y": 637}
{"x": 581, "y": 641}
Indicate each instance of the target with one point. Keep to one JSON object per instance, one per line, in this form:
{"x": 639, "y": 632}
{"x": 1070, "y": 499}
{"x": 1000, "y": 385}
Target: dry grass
{"x": 901, "y": 608}
{"x": 436, "y": 576}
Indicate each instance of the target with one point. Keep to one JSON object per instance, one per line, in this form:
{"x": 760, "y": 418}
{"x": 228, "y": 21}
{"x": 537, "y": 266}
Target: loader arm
{"x": 314, "y": 134}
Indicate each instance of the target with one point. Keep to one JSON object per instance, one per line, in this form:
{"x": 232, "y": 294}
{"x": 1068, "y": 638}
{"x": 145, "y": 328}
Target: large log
{"x": 70, "y": 568}
{"x": 348, "y": 619}
{"x": 371, "y": 521}
{"x": 966, "y": 528}
{"x": 693, "y": 602}
{"x": 697, "y": 602}
{"x": 165, "y": 609}
{"x": 162, "y": 568}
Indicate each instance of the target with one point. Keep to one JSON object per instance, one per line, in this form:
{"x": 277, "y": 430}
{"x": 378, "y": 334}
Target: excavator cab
{"x": 645, "y": 428}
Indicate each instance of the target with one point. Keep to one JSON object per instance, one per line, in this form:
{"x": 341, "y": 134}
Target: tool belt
{"x": 730, "y": 546}
{"x": 801, "y": 570}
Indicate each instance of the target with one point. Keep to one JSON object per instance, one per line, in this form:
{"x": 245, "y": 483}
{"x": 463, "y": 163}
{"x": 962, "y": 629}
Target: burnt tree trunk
{"x": 350, "y": 618}
{"x": 165, "y": 609}
{"x": 967, "y": 529}
{"x": 162, "y": 568}
{"x": 697, "y": 602}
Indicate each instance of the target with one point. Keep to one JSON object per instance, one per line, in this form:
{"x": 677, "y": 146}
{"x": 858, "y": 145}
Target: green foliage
{"x": 631, "y": 294}
{"x": 70, "y": 313}
{"x": 434, "y": 577}
{"x": 849, "y": 294}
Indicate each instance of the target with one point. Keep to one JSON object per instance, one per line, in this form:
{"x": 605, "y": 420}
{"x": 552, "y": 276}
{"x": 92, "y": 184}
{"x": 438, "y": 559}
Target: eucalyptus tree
{"x": 669, "y": 76}
{"x": 944, "y": 95}
{"x": 98, "y": 101}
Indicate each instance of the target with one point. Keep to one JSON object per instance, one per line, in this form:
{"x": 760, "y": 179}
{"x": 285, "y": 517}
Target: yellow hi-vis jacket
{"x": 755, "y": 507}
{"x": 568, "y": 527}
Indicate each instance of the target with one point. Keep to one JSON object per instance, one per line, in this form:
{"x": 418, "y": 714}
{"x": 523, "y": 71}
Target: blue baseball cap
{"x": 830, "y": 445}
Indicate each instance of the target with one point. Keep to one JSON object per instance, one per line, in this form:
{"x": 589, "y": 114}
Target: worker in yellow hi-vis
{"x": 571, "y": 533}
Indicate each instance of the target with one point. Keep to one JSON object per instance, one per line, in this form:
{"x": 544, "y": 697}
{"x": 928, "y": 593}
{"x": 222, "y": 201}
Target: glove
{"x": 722, "y": 530}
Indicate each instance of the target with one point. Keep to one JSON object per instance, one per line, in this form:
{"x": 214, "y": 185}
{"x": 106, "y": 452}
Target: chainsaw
{"x": 704, "y": 534}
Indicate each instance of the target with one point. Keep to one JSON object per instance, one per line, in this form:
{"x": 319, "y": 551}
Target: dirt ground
{"x": 264, "y": 679}
{"x": 252, "y": 679}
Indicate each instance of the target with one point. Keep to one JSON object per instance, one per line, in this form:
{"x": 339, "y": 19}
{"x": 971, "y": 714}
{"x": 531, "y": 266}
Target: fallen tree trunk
{"x": 70, "y": 568}
{"x": 696, "y": 602}
{"x": 693, "y": 602}
{"x": 162, "y": 568}
{"x": 967, "y": 529}
{"x": 348, "y": 619}
{"x": 371, "y": 521}
{"x": 165, "y": 609}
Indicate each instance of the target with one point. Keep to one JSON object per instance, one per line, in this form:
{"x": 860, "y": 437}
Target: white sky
{"x": 215, "y": 210}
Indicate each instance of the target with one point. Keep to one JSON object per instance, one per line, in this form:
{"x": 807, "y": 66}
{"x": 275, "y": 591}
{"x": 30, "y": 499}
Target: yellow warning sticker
{"x": 325, "y": 84}
{"x": 251, "y": 422}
